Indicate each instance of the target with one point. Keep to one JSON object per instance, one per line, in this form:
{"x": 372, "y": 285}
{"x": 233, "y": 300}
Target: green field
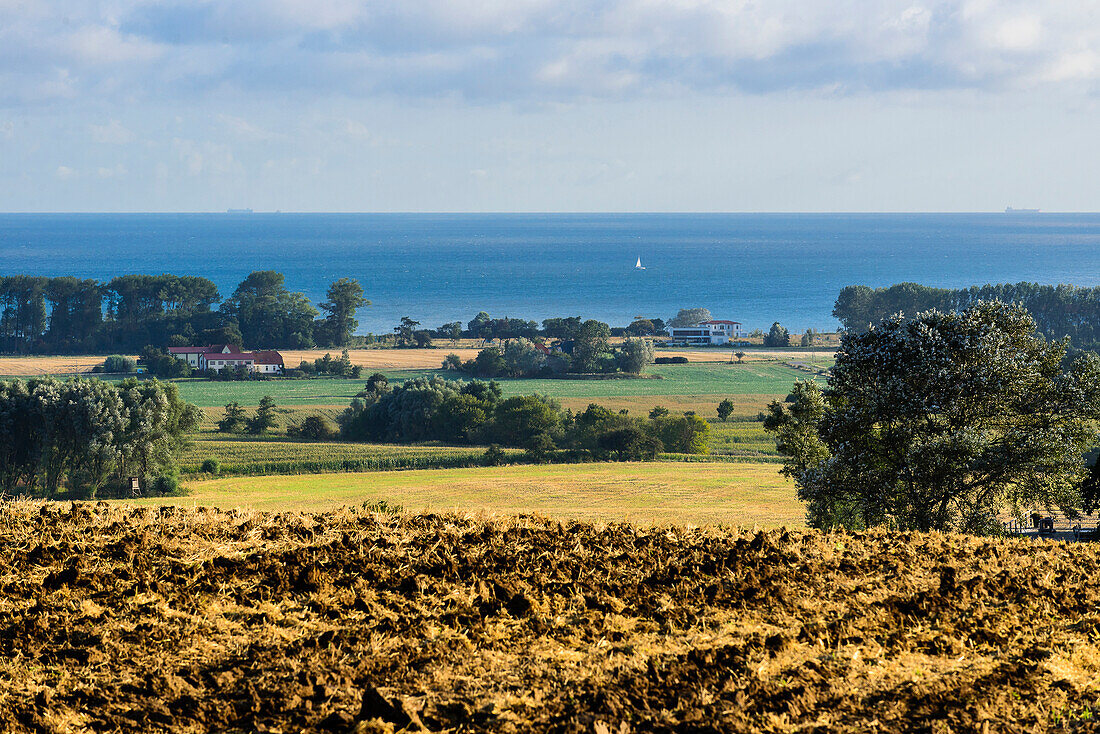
{"x": 697, "y": 387}
{"x": 654, "y": 492}
{"x": 277, "y": 454}
{"x": 677, "y": 380}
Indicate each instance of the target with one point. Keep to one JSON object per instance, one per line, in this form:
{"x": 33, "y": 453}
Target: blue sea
{"x": 753, "y": 268}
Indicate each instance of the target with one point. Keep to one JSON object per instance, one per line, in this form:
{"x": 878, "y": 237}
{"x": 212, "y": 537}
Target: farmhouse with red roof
{"x": 217, "y": 357}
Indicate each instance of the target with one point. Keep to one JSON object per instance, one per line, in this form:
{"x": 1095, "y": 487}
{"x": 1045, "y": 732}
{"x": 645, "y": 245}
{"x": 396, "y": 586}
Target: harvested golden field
{"x": 50, "y": 365}
{"x": 644, "y": 492}
{"x": 140, "y": 620}
{"x": 382, "y": 359}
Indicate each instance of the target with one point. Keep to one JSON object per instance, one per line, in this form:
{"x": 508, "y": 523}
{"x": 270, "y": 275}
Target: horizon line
{"x": 535, "y": 212}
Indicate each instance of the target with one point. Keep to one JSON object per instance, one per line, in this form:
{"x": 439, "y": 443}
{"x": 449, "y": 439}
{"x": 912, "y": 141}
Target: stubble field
{"x": 643, "y": 492}
{"x": 139, "y": 620}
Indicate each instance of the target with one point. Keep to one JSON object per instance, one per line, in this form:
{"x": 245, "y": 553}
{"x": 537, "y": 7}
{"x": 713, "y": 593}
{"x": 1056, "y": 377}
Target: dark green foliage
{"x": 265, "y": 418}
{"x": 725, "y": 409}
{"x": 211, "y": 466}
{"x": 777, "y": 336}
{"x": 344, "y": 297}
{"x": 539, "y": 447}
{"x": 117, "y": 364}
{"x": 234, "y": 420}
{"x": 88, "y": 436}
{"x": 268, "y": 315}
{"x": 377, "y": 384}
{"x": 633, "y": 356}
{"x": 335, "y": 366}
{"x": 518, "y": 419}
{"x": 451, "y": 411}
{"x": 405, "y": 331}
{"x": 589, "y": 345}
{"x": 670, "y": 360}
{"x": 642, "y": 327}
{"x": 488, "y": 363}
{"x": 1059, "y": 310}
{"x": 558, "y": 328}
{"x": 630, "y": 443}
{"x": 685, "y": 435}
{"x": 659, "y": 411}
{"x": 314, "y": 428}
{"x": 494, "y": 456}
{"x": 940, "y": 422}
{"x": 160, "y": 363}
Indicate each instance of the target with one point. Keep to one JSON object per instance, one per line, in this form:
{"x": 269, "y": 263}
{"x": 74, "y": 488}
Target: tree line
{"x": 66, "y": 315}
{"x": 1059, "y": 310}
{"x": 83, "y": 438}
{"x": 589, "y": 353}
{"x": 457, "y": 412}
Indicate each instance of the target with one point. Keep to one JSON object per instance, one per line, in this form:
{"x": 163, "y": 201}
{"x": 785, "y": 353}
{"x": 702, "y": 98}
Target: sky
{"x": 549, "y": 105}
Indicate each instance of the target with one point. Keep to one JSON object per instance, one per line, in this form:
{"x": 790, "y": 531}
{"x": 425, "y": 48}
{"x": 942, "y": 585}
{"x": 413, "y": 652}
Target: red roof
{"x": 268, "y": 357}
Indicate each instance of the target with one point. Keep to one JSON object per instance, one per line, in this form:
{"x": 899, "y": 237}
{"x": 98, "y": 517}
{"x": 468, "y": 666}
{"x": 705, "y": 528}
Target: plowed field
{"x": 143, "y": 620}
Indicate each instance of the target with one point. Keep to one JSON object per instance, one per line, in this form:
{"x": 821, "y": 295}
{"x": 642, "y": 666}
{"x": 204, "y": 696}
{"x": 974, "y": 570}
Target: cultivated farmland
{"x": 138, "y": 620}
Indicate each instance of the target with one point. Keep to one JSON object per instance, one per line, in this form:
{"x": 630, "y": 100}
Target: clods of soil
{"x": 139, "y": 620}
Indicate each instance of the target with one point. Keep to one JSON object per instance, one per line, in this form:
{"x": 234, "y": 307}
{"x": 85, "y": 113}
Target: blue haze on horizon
{"x": 440, "y": 268}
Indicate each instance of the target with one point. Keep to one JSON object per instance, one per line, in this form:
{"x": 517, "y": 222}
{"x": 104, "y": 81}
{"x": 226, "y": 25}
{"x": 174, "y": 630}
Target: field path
{"x": 653, "y": 492}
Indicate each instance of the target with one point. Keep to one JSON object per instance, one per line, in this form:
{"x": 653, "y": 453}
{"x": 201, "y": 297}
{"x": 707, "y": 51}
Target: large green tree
{"x": 940, "y": 422}
{"x": 344, "y": 297}
{"x": 590, "y": 344}
{"x": 268, "y": 315}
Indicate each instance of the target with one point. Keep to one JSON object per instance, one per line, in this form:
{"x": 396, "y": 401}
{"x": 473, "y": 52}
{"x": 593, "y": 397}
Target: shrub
{"x": 494, "y": 456}
{"x": 116, "y": 363}
{"x": 314, "y": 428}
{"x": 167, "y": 485}
{"x": 671, "y": 360}
{"x": 211, "y": 466}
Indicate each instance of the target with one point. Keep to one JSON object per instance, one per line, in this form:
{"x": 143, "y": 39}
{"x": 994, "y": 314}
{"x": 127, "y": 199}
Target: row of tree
{"x": 88, "y": 437}
{"x": 590, "y": 353}
{"x": 1059, "y": 310}
{"x": 569, "y": 328}
{"x": 68, "y": 315}
{"x": 475, "y": 412}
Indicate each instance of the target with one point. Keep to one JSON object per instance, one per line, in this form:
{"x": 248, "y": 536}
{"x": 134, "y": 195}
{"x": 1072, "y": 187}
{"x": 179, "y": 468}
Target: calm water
{"x": 439, "y": 268}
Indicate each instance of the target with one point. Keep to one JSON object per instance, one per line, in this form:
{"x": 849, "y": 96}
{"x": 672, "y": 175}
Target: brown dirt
{"x": 145, "y": 620}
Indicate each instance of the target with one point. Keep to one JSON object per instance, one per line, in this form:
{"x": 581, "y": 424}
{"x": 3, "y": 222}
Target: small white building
{"x": 715, "y": 331}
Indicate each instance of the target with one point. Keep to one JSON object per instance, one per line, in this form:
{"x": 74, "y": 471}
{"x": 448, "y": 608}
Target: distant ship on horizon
{"x": 1013, "y": 210}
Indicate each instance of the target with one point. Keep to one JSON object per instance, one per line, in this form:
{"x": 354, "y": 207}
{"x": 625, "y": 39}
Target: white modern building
{"x": 716, "y": 331}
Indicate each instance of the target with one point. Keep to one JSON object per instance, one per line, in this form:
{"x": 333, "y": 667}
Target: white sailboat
{"x": 638, "y": 265}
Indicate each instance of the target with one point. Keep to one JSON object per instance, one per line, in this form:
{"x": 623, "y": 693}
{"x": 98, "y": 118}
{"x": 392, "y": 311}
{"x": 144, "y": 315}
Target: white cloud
{"x": 65, "y": 173}
{"x": 542, "y": 50}
{"x": 1021, "y": 33}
